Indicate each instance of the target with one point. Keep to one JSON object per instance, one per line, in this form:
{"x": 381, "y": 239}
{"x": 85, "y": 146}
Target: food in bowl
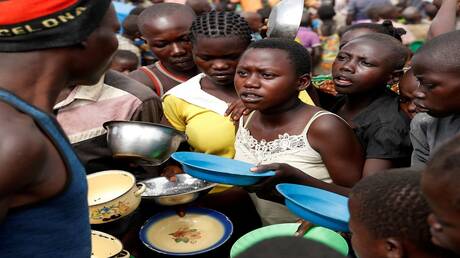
{"x": 199, "y": 231}
{"x": 184, "y": 190}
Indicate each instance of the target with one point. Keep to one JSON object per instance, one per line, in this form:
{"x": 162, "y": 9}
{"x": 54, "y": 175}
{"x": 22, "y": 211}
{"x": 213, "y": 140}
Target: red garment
{"x": 18, "y": 11}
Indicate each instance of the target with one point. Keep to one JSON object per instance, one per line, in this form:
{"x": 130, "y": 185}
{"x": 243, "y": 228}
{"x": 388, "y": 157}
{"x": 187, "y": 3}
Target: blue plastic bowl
{"x": 318, "y": 206}
{"x": 223, "y": 220}
{"x": 217, "y": 169}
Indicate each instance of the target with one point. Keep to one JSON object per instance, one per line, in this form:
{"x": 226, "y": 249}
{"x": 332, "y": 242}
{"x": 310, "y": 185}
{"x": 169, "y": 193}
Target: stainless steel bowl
{"x": 146, "y": 143}
{"x": 285, "y": 18}
{"x": 186, "y": 189}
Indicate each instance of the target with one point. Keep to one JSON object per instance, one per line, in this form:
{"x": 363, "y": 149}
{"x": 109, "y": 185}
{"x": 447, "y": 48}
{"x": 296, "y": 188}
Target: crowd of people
{"x": 363, "y": 103}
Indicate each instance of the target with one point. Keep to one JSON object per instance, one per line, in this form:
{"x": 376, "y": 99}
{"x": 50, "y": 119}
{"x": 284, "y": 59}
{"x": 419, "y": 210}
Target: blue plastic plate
{"x": 318, "y": 206}
{"x": 217, "y": 169}
{"x": 169, "y": 234}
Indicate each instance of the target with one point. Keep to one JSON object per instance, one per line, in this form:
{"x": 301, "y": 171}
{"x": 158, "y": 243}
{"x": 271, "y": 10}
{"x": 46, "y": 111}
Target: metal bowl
{"x": 145, "y": 143}
{"x": 186, "y": 189}
{"x": 285, "y": 18}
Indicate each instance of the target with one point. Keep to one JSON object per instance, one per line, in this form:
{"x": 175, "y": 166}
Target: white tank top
{"x": 294, "y": 150}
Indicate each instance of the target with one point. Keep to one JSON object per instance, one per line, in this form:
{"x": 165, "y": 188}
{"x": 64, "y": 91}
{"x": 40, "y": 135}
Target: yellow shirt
{"x": 303, "y": 95}
{"x": 207, "y": 131}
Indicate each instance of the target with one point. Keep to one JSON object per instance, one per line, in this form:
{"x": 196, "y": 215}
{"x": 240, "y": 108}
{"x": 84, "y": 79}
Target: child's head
{"x": 388, "y": 216}
{"x": 440, "y": 185}
{"x": 130, "y": 28}
{"x": 407, "y": 86}
{"x": 437, "y": 67}
{"x": 199, "y": 6}
{"x": 326, "y": 12}
{"x": 166, "y": 28}
{"x": 383, "y": 11}
{"x": 361, "y": 29}
{"x": 254, "y": 20}
{"x": 271, "y": 73}
{"x": 368, "y": 63}
{"x": 219, "y": 39}
{"x": 431, "y": 10}
{"x": 412, "y": 15}
{"x": 289, "y": 247}
{"x": 124, "y": 61}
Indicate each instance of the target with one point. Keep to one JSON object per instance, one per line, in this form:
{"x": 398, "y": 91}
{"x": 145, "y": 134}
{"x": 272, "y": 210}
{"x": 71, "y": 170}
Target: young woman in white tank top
{"x": 304, "y": 144}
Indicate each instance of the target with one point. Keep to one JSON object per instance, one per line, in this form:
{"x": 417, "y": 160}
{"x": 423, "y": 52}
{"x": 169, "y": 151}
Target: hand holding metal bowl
{"x": 145, "y": 143}
{"x": 285, "y": 18}
{"x": 184, "y": 190}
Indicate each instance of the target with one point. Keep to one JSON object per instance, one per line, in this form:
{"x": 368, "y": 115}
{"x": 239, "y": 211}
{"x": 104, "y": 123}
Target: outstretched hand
{"x": 266, "y": 189}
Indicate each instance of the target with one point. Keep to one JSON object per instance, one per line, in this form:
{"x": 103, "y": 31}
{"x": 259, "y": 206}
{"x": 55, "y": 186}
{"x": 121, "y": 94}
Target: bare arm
{"x": 316, "y": 55}
{"x": 22, "y": 155}
{"x": 340, "y": 151}
{"x": 373, "y": 166}
{"x": 445, "y": 20}
{"x": 339, "y": 148}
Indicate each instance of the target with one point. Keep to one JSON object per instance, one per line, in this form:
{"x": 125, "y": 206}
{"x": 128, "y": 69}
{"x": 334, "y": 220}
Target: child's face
{"x": 439, "y": 91}
{"x": 168, "y": 38}
{"x": 445, "y": 219}
{"x": 361, "y": 66}
{"x": 364, "y": 243}
{"x": 218, "y": 57}
{"x": 124, "y": 65}
{"x": 266, "y": 78}
{"x": 407, "y": 87}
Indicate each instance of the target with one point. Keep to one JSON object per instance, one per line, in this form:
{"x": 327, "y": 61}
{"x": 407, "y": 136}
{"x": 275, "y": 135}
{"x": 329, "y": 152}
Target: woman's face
{"x": 362, "y": 66}
{"x": 407, "y": 87}
{"x": 168, "y": 38}
{"x": 218, "y": 57}
{"x": 266, "y": 78}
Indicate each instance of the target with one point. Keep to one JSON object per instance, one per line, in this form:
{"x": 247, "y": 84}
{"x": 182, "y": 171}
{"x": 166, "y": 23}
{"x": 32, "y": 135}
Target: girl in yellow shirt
{"x": 197, "y": 107}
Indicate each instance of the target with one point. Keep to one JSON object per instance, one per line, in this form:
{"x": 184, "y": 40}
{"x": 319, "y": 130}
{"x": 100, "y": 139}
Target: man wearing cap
{"x": 46, "y": 46}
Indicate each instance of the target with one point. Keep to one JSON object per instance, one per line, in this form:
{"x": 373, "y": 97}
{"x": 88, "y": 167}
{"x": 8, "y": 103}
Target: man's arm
{"x": 445, "y": 20}
{"x": 22, "y": 155}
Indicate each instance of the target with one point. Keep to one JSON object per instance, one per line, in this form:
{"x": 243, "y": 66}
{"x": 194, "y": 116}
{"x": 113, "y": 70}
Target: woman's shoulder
{"x": 383, "y": 111}
{"x": 321, "y": 121}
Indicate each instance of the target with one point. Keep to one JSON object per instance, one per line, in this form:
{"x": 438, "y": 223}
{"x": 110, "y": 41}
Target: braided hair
{"x": 220, "y": 24}
{"x": 391, "y": 204}
{"x": 385, "y": 28}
